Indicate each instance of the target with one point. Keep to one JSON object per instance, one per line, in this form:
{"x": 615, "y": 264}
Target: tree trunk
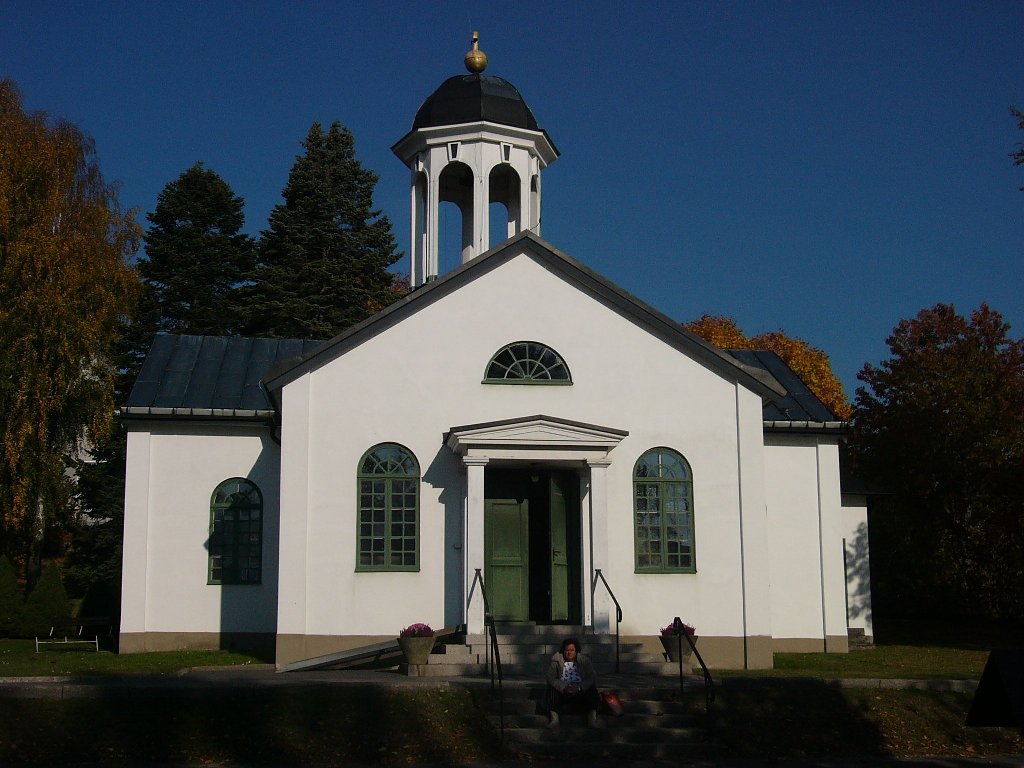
{"x": 34, "y": 561}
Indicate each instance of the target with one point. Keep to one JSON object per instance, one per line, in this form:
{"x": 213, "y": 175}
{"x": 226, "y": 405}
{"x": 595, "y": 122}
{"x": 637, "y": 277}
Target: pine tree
{"x": 322, "y": 265}
{"x": 196, "y": 257}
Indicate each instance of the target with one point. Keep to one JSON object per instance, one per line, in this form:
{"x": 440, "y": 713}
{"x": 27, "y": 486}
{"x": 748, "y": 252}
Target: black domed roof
{"x": 472, "y": 98}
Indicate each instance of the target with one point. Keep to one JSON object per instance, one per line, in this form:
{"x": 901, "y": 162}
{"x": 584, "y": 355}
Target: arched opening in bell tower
{"x": 420, "y": 267}
{"x": 455, "y": 186}
{"x": 504, "y": 209}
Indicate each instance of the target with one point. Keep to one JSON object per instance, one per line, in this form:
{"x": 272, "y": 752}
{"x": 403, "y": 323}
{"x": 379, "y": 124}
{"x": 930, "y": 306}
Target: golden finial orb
{"x": 476, "y": 60}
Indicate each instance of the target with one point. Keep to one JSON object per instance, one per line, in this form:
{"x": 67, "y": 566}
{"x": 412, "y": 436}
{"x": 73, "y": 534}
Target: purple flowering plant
{"x": 671, "y": 629}
{"x": 417, "y": 630}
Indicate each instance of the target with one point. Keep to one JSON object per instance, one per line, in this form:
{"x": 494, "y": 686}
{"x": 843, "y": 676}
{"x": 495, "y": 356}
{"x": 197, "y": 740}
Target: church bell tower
{"x": 474, "y": 142}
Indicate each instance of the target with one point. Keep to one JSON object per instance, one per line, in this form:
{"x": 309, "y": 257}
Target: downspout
{"x": 739, "y": 498}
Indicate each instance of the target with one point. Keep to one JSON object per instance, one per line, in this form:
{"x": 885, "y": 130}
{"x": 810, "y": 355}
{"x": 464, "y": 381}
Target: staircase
{"x": 857, "y": 640}
{"x": 526, "y": 650}
{"x": 658, "y": 722}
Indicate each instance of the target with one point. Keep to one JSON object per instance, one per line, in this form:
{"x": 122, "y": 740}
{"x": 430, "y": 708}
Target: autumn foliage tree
{"x": 64, "y": 284}
{"x": 809, "y": 363}
{"x": 940, "y": 424}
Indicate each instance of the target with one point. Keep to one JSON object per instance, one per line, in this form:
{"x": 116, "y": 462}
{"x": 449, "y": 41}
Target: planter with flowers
{"x": 416, "y": 642}
{"x": 672, "y": 639}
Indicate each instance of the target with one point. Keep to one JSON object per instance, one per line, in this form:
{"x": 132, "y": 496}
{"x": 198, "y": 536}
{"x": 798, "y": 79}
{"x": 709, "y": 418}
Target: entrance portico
{"x": 548, "y": 444}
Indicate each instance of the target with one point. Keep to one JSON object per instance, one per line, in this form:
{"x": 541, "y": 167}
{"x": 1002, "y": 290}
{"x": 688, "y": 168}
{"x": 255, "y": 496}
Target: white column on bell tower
{"x": 469, "y": 152}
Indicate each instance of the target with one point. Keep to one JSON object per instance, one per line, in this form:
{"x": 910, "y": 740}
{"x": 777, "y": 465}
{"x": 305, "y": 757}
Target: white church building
{"x": 520, "y": 420}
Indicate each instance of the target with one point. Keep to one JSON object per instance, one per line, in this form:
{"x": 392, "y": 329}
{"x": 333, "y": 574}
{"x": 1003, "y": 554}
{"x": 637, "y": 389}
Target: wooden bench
{"x": 71, "y": 631}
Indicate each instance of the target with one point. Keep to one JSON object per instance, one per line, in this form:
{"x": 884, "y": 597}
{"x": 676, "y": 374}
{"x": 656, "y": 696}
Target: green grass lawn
{"x": 19, "y": 659}
{"x": 886, "y": 661}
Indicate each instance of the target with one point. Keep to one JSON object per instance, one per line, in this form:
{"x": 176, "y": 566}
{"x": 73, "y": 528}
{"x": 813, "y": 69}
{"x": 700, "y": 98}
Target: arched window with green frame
{"x": 527, "y": 362}
{"x": 389, "y": 507}
{"x": 663, "y": 513}
{"x": 236, "y": 533}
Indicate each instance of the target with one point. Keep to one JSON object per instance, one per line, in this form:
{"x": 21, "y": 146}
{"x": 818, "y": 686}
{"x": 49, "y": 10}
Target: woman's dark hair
{"x": 571, "y": 641}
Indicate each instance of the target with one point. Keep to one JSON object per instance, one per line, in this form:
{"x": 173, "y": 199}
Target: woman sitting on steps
{"x": 572, "y": 684}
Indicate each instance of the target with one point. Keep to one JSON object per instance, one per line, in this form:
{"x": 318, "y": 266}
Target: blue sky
{"x": 823, "y": 168}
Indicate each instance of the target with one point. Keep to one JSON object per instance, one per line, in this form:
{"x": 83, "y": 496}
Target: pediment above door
{"x": 534, "y": 437}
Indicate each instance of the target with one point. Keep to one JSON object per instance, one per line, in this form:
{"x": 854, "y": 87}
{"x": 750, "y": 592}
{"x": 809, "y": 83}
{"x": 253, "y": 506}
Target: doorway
{"x": 532, "y": 545}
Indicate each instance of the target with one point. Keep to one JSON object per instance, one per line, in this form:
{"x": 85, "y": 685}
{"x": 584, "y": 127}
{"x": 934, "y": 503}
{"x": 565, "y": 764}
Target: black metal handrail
{"x": 494, "y": 657}
{"x": 618, "y": 608}
{"x": 678, "y": 629}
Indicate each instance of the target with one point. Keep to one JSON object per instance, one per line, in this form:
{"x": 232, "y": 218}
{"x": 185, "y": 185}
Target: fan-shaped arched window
{"x": 236, "y": 533}
{"x": 388, "y": 534}
{"x": 663, "y": 513}
{"x": 527, "y": 362}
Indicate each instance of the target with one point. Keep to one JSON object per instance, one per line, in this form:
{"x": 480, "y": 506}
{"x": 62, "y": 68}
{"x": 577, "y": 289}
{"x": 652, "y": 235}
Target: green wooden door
{"x": 559, "y": 539}
{"x": 507, "y": 558}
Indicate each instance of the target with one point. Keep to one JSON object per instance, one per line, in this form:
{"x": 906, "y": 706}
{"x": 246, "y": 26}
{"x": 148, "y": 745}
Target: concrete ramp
{"x": 373, "y": 653}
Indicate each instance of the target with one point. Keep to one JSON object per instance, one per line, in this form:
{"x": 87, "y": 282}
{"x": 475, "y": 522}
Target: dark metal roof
{"x": 194, "y": 375}
{"x": 472, "y": 98}
{"x": 799, "y": 403}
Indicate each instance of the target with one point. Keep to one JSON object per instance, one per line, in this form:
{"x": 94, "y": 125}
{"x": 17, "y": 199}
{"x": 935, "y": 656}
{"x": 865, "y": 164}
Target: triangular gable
{"x": 533, "y": 432}
{"x": 574, "y": 272}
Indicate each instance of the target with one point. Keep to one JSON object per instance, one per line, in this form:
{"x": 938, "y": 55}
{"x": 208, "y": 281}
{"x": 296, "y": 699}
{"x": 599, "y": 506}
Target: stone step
{"x": 656, "y": 724}
{"x": 553, "y": 639}
{"x": 628, "y": 720}
{"x": 515, "y": 655}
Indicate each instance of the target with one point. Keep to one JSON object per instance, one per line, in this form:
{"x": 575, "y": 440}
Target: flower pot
{"x": 416, "y": 650}
{"x": 671, "y": 645}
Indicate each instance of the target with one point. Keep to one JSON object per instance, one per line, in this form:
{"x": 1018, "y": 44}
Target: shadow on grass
{"x": 783, "y": 718}
{"x": 254, "y": 726}
{"x": 967, "y": 635}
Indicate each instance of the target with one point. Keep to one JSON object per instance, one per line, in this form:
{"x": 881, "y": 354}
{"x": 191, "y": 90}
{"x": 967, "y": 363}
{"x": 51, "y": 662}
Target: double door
{"x": 532, "y": 545}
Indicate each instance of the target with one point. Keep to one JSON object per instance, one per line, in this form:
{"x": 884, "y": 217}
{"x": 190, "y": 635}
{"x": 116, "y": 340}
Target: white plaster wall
{"x": 807, "y": 581}
{"x": 412, "y": 382}
{"x": 794, "y": 529}
{"x": 172, "y": 473}
{"x": 858, "y": 571}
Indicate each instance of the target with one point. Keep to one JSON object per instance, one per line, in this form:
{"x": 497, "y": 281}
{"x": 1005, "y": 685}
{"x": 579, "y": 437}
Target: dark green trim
{"x": 221, "y": 544}
{"x": 381, "y": 472}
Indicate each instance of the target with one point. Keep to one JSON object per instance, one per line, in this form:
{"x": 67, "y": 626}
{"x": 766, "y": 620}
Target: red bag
{"x": 612, "y": 703}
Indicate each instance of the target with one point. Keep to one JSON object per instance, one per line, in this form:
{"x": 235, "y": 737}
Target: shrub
{"x": 47, "y": 605}
{"x": 10, "y": 598}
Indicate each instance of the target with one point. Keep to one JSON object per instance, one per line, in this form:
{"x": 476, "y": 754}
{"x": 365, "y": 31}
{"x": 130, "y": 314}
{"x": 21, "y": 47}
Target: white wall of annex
{"x": 410, "y": 383}
{"x": 807, "y": 580}
{"x": 167, "y": 517}
{"x": 794, "y": 534}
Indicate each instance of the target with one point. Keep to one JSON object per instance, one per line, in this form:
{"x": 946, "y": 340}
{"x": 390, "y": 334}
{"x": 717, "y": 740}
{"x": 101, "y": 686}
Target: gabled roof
{"x": 208, "y": 376}
{"x": 588, "y": 281}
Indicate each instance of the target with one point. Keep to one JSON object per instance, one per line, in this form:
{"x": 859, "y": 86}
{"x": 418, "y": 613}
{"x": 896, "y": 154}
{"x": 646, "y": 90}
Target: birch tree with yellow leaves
{"x": 65, "y": 283}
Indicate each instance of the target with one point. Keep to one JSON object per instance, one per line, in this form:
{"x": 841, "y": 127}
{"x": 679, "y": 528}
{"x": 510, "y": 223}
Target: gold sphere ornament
{"x": 476, "y": 60}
